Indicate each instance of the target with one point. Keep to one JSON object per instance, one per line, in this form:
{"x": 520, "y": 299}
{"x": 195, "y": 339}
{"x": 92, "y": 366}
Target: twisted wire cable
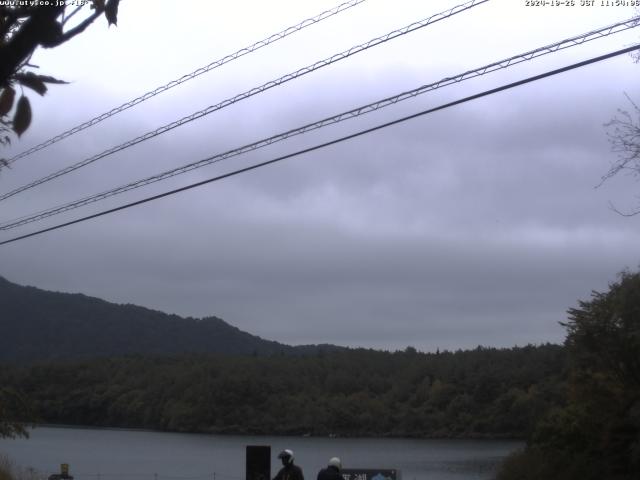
{"x": 356, "y": 112}
{"x": 250, "y": 93}
{"x": 185, "y": 78}
{"x": 335, "y": 141}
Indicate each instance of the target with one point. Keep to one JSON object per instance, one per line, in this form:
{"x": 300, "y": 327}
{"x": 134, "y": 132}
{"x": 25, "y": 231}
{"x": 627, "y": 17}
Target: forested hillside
{"x": 483, "y": 392}
{"x": 41, "y": 325}
{"x": 595, "y": 435}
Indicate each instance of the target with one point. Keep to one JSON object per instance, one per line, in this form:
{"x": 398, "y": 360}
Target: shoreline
{"x": 474, "y": 437}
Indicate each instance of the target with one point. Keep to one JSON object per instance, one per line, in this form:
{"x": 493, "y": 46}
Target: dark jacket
{"x": 329, "y": 473}
{"x": 289, "y": 472}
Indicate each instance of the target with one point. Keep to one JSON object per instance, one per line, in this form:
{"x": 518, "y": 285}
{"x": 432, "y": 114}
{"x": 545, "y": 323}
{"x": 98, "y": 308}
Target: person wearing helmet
{"x": 289, "y": 471}
{"x": 332, "y": 472}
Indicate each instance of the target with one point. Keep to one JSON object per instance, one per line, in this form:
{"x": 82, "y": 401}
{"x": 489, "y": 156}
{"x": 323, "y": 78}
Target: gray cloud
{"x": 479, "y": 224}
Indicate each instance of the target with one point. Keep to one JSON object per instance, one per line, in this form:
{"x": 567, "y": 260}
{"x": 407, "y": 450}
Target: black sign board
{"x": 369, "y": 474}
{"x": 258, "y": 462}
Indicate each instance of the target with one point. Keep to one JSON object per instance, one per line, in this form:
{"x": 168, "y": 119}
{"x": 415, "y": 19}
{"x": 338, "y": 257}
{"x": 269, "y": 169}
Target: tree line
{"x": 595, "y": 433}
{"x": 577, "y": 405}
{"x": 485, "y": 392}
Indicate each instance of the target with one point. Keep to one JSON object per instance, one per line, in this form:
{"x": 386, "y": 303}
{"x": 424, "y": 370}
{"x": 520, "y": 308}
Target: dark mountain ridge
{"x": 40, "y": 325}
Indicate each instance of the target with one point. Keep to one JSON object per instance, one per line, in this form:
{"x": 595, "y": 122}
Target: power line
{"x": 331, "y": 142}
{"x": 185, "y": 78}
{"x": 501, "y": 64}
{"x": 254, "y": 91}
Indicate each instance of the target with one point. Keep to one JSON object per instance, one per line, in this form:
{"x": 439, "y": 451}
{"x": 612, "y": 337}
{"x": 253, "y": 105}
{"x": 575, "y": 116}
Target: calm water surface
{"x": 95, "y": 454}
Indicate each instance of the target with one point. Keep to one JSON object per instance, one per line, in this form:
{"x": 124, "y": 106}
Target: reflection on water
{"x": 95, "y": 454}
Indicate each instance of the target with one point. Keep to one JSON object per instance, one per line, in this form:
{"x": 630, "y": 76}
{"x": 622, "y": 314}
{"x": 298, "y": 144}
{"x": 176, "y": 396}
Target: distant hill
{"x": 38, "y": 325}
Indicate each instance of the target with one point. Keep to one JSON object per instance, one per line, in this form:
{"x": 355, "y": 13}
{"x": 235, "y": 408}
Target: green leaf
{"x": 22, "y": 118}
{"x": 49, "y": 79}
{"x": 31, "y": 80}
{"x": 6, "y": 100}
{"x": 36, "y": 82}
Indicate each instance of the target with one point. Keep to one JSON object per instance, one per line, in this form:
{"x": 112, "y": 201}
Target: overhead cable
{"x": 362, "y": 110}
{"x": 185, "y": 78}
{"x": 254, "y": 91}
{"x": 331, "y": 142}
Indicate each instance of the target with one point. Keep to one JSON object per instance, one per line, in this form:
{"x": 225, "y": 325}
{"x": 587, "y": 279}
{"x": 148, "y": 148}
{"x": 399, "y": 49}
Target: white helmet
{"x": 286, "y": 456}
{"x": 335, "y": 462}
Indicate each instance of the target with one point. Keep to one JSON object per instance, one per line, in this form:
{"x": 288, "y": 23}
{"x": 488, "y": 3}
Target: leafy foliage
{"x": 623, "y": 132}
{"x": 478, "y": 393}
{"x": 9, "y": 471}
{"x": 22, "y": 118}
{"x": 597, "y": 434}
{"x": 23, "y": 28}
{"x": 14, "y": 410}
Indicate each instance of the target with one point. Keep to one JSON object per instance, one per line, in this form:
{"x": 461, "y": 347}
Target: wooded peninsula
{"x": 478, "y": 393}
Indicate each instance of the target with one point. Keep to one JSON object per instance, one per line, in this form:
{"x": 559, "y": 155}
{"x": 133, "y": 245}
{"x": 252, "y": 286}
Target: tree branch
{"x": 66, "y": 18}
{"x": 39, "y": 29}
{"x": 622, "y": 214}
{"x": 80, "y": 27}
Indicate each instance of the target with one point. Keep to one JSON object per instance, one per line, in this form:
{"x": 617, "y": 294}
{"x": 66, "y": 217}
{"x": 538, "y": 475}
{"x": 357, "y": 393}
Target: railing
{"x": 154, "y": 476}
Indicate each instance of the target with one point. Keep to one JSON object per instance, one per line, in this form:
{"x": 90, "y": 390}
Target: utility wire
{"x": 185, "y": 78}
{"x": 331, "y": 142}
{"x": 501, "y": 64}
{"x": 254, "y": 91}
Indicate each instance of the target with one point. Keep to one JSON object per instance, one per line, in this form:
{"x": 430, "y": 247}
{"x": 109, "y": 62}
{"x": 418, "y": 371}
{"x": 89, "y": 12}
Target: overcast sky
{"x": 479, "y": 224}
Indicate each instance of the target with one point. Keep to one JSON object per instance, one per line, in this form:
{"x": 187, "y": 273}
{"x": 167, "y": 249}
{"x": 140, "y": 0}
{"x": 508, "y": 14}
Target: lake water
{"x": 98, "y": 454}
